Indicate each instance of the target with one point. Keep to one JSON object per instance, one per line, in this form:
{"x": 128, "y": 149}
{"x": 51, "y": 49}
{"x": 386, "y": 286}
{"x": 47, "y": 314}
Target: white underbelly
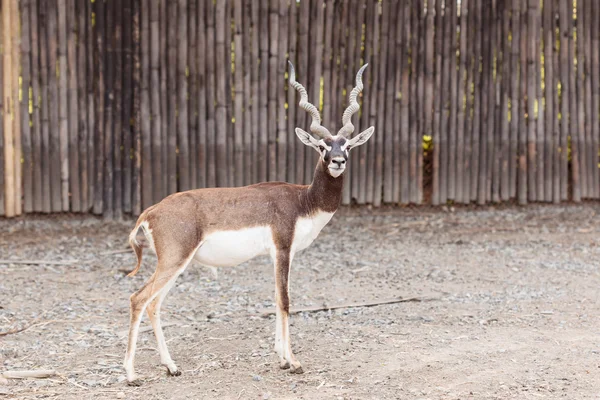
{"x": 230, "y": 248}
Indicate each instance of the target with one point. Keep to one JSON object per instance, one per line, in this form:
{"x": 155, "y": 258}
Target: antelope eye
{"x": 321, "y": 148}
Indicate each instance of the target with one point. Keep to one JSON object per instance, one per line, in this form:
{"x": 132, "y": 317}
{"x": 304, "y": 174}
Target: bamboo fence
{"x": 109, "y": 106}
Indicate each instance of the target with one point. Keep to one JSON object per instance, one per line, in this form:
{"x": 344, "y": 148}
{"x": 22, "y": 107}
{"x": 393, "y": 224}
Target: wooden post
{"x": 26, "y": 132}
{"x": 47, "y": 199}
{"x": 576, "y": 180}
{"x": 136, "y": 178}
{"x": 81, "y": 100}
{"x": 507, "y": 78}
{"x": 532, "y": 54}
{"x": 127, "y": 116}
{"x": 522, "y": 109}
{"x": 405, "y": 185}
{"x": 460, "y": 194}
{"x": 541, "y": 138}
{"x": 72, "y": 110}
{"x": 437, "y": 103}
{"x": 595, "y": 67}
{"x": 515, "y": 101}
{"x": 273, "y": 87}
{"x": 117, "y": 110}
{"x": 3, "y": 187}
{"x": 222, "y": 68}
{"x": 183, "y": 158}
{"x": 150, "y": 178}
{"x": 109, "y": 112}
{"x": 202, "y": 101}
{"x": 36, "y": 134}
{"x": 63, "y": 108}
{"x": 397, "y": 107}
{"x": 477, "y": 100}
{"x": 283, "y": 136}
{"x": 292, "y": 162}
{"x": 192, "y": 96}
{"x": 302, "y": 66}
{"x": 90, "y": 41}
{"x": 390, "y": 86}
{"x": 172, "y": 131}
{"x": 453, "y": 102}
{"x": 156, "y": 146}
{"x": 445, "y": 99}
{"x": 10, "y": 108}
{"x": 551, "y": 144}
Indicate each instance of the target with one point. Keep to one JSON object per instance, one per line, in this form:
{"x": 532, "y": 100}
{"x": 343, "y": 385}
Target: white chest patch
{"x": 230, "y": 248}
{"x": 307, "y": 230}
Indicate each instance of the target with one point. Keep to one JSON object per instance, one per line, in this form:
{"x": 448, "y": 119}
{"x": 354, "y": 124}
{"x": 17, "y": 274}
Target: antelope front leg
{"x": 283, "y": 347}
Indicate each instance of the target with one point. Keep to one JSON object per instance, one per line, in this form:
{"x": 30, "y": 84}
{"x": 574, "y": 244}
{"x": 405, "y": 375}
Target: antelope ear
{"x": 307, "y": 139}
{"x": 361, "y": 138}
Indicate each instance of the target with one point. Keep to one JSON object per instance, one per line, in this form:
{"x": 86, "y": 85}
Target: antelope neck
{"x": 325, "y": 191}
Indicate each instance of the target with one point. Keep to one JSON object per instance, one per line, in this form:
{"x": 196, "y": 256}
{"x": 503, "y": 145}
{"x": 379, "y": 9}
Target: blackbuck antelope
{"x": 224, "y": 227}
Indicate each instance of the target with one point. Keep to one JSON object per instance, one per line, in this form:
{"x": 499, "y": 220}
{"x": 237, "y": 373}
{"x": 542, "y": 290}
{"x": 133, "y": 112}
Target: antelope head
{"x": 334, "y": 150}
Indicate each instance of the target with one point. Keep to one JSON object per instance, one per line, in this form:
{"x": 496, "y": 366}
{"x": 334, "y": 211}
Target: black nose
{"x": 339, "y": 162}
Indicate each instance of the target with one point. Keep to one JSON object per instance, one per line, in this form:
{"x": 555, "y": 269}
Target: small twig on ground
{"x": 39, "y": 262}
{"x": 21, "y": 329}
{"x": 326, "y": 307}
{"x": 28, "y": 374}
{"x": 110, "y": 253}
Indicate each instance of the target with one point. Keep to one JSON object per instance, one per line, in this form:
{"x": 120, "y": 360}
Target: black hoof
{"x": 176, "y": 373}
{"x": 135, "y": 382}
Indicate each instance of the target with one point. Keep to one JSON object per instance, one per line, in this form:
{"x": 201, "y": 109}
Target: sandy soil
{"x": 509, "y": 309}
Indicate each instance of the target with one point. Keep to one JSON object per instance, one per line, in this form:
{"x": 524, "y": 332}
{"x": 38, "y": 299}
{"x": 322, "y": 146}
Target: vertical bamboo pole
{"x": 15, "y": 58}
{"x": 422, "y": 100}
{"x": 460, "y": 194}
{"x": 496, "y": 144}
{"x": 574, "y": 117}
{"x": 136, "y": 178}
{"x": 302, "y": 67}
{"x": 397, "y": 123}
{"x": 3, "y": 187}
{"x": 10, "y": 107}
{"x": 446, "y": 102}
{"x": 72, "y": 111}
{"x": 367, "y": 78}
{"x": 437, "y": 103}
{"x": 532, "y": 54}
{"x": 202, "y": 99}
{"x": 63, "y": 108}
{"x": 273, "y": 87}
{"x": 469, "y": 101}
{"x": 149, "y": 176}
{"x": 192, "y": 124}
{"x": 387, "y": 140}
{"x": 172, "y": 131}
{"x": 514, "y": 100}
{"x": 282, "y": 132}
{"x": 453, "y": 104}
{"x": 81, "y": 101}
{"x": 36, "y": 135}
{"x": 558, "y": 118}
{"x": 386, "y": 152}
{"x": 53, "y": 107}
{"x": 90, "y": 68}
{"x": 127, "y": 116}
{"x": 550, "y": 145}
{"x": 381, "y": 114}
{"x": 109, "y": 112}
{"x": 222, "y": 68}
{"x": 210, "y": 95}
{"x": 476, "y": 126}
{"x": 160, "y": 146}
{"x": 595, "y": 112}
{"x": 523, "y": 133}
{"x": 117, "y": 113}
{"x": 351, "y": 62}
{"x": 590, "y": 148}
{"x": 293, "y": 144}
{"x": 507, "y": 79}
{"x": 405, "y": 185}
{"x": 47, "y": 199}
{"x": 183, "y": 147}
{"x": 26, "y": 132}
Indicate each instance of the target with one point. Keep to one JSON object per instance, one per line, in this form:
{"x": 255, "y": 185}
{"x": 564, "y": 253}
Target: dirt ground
{"x": 509, "y": 309}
